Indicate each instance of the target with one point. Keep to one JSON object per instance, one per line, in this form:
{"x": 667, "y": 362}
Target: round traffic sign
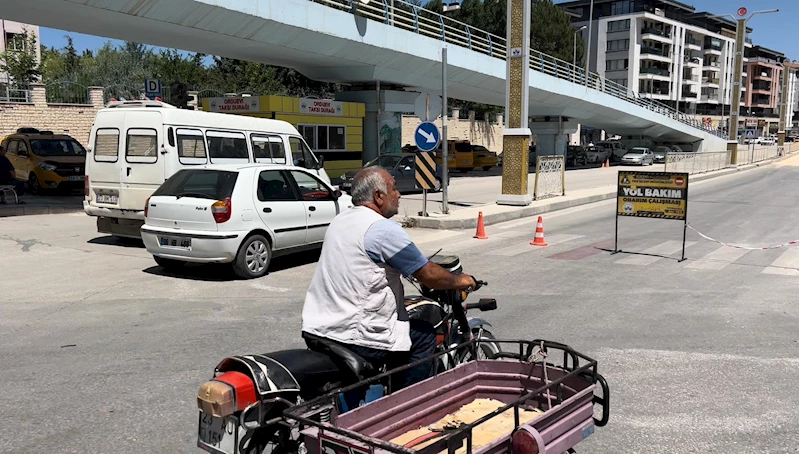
{"x": 427, "y": 136}
{"x": 679, "y": 181}
{"x": 742, "y": 11}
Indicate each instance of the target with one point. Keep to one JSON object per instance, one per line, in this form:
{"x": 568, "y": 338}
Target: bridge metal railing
{"x": 416, "y": 19}
{"x": 701, "y": 162}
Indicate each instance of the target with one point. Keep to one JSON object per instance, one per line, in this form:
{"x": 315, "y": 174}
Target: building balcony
{"x": 712, "y": 50}
{"x": 690, "y": 79}
{"x": 695, "y": 62}
{"x": 655, "y": 54}
{"x": 709, "y": 99}
{"x": 710, "y": 82}
{"x": 656, "y": 34}
{"x": 714, "y": 67}
{"x": 761, "y": 102}
{"x": 692, "y": 44}
{"x": 656, "y": 71}
{"x": 761, "y": 76}
{"x": 761, "y": 90}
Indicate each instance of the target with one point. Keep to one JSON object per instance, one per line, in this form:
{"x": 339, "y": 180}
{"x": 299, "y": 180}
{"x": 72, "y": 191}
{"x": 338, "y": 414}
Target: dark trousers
{"x": 423, "y": 345}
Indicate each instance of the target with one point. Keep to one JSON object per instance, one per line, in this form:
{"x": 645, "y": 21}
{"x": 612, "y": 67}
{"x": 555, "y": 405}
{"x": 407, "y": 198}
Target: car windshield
{"x": 638, "y": 150}
{"x": 386, "y": 162}
{"x": 57, "y": 147}
{"x": 200, "y": 183}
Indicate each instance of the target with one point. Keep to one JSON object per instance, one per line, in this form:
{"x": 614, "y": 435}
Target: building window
{"x": 617, "y": 65}
{"x": 617, "y": 25}
{"x": 622, "y": 7}
{"x": 618, "y": 44}
{"x": 622, "y": 82}
{"x": 325, "y": 137}
{"x": 15, "y": 41}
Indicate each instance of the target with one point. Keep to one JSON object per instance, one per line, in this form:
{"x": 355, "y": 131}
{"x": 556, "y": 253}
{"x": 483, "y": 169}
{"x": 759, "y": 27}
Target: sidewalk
{"x": 46, "y": 204}
{"x": 603, "y": 188}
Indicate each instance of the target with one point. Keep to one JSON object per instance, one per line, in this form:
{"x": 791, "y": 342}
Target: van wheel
{"x": 252, "y": 260}
{"x": 34, "y": 187}
{"x": 167, "y": 264}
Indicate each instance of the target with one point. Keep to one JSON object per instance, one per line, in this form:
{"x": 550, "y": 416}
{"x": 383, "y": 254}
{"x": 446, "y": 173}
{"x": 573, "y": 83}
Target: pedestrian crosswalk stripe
{"x": 655, "y": 253}
{"x": 524, "y": 248}
{"x": 718, "y": 259}
{"x": 787, "y": 264}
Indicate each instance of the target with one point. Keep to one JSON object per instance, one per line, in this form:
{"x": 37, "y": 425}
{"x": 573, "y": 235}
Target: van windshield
{"x": 201, "y": 183}
{"x": 57, "y": 147}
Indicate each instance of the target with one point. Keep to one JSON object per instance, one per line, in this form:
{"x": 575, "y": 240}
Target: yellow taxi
{"x": 459, "y": 155}
{"x": 483, "y": 157}
{"x": 46, "y": 160}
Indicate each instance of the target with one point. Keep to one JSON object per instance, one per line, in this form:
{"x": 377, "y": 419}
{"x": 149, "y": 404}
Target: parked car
{"x": 483, "y": 157}
{"x": 639, "y": 156}
{"x": 45, "y": 160}
{"x": 401, "y": 166}
{"x": 660, "y": 154}
{"x": 242, "y": 214}
{"x": 676, "y": 149}
{"x": 576, "y": 155}
{"x": 596, "y": 154}
{"x": 616, "y": 149}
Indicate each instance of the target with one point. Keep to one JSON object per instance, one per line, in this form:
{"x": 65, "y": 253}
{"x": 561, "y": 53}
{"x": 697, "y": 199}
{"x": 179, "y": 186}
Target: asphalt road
{"x": 103, "y": 351}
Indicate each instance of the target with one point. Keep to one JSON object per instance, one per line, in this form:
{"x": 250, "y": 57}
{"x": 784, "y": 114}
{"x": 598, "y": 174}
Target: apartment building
{"x": 764, "y": 82}
{"x": 663, "y": 50}
{"x": 11, "y": 34}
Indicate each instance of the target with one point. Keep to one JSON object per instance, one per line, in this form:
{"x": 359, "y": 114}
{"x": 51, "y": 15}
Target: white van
{"x": 134, "y": 146}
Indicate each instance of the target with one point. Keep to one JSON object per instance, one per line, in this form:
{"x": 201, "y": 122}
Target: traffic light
{"x": 180, "y": 95}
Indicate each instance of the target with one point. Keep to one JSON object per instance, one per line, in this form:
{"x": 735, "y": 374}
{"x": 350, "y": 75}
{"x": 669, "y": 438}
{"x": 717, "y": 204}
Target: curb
{"x": 488, "y": 219}
{"x": 30, "y": 210}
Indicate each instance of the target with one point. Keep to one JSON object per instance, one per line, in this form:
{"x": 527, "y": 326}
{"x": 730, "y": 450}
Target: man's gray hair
{"x": 365, "y": 183}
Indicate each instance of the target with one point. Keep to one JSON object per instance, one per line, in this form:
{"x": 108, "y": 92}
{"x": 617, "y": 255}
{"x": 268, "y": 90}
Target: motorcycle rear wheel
{"x": 485, "y": 349}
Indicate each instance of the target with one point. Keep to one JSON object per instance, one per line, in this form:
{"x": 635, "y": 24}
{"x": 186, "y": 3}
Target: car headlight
{"x": 46, "y": 166}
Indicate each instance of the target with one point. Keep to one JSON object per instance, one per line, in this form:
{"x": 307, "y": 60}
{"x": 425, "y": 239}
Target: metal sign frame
{"x": 637, "y": 189}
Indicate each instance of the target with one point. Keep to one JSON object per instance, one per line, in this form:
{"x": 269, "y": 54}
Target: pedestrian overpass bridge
{"x": 348, "y": 41}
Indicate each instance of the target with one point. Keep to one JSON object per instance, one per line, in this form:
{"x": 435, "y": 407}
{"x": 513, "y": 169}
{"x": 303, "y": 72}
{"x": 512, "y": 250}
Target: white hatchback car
{"x": 239, "y": 214}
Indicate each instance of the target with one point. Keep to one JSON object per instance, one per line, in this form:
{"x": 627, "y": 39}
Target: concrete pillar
{"x": 194, "y": 98}
{"x": 38, "y": 94}
{"x": 552, "y": 136}
{"x": 96, "y": 97}
{"x": 392, "y": 104}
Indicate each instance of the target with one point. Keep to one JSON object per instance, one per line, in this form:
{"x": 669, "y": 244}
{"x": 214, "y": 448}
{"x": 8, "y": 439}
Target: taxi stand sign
{"x": 660, "y": 195}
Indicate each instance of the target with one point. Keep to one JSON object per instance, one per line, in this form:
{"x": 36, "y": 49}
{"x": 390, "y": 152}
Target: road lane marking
{"x": 436, "y": 236}
{"x": 655, "y": 253}
{"x": 787, "y": 264}
{"x": 524, "y": 248}
{"x": 584, "y": 251}
{"x": 718, "y": 259}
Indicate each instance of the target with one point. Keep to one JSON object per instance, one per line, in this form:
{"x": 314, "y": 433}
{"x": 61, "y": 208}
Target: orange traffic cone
{"x": 607, "y": 163}
{"x": 539, "y": 233}
{"x": 481, "y": 228}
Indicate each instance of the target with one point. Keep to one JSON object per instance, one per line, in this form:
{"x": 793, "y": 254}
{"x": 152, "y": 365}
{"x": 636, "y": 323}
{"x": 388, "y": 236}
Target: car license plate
{"x": 173, "y": 242}
{"x": 105, "y": 198}
{"x": 218, "y": 435}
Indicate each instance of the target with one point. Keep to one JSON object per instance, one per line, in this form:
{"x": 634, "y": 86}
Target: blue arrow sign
{"x": 427, "y": 136}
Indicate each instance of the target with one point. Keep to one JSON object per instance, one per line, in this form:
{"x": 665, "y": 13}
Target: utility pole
{"x": 786, "y": 86}
{"x": 740, "y": 42}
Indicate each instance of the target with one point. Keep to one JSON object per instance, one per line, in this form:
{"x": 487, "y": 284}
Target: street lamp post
{"x": 574, "y": 58}
{"x": 740, "y": 35}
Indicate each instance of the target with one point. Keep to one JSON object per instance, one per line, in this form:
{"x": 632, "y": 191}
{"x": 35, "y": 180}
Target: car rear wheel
{"x": 252, "y": 260}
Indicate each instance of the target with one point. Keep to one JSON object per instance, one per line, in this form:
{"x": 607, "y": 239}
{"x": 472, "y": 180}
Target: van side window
{"x": 141, "y": 146}
{"x": 22, "y": 148}
{"x": 106, "y": 145}
{"x": 227, "y": 145}
{"x": 301, "y": 154}
{"x": 268, "y": 149}
{"x": 191, "y": 147}
{"x": 12, "y": 147}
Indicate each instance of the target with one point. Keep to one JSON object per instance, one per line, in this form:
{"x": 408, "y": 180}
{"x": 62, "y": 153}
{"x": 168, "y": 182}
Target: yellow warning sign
{"x": 662, "y": 195}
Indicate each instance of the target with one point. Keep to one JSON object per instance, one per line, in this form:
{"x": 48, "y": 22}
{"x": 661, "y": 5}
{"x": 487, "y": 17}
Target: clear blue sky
{"x": 778, "y": 31}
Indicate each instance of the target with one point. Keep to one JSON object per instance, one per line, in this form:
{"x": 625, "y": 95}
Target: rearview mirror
{"x": 337, "y": 194}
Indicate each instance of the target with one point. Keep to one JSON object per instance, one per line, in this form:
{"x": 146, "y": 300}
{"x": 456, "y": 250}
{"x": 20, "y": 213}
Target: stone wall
{"x": 478, "y": 132}
{"x": 73, "y": 119}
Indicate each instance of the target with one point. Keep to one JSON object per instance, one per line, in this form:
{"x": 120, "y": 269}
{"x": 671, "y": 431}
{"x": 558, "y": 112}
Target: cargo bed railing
{"x": 305, "y": 412}
{"x": 416, "y": 19}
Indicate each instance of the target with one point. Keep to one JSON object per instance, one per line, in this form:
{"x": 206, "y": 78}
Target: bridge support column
{"x": 384, "y": 116}
{"x": 552, "y": 136}
{"x": 516, "y": 135}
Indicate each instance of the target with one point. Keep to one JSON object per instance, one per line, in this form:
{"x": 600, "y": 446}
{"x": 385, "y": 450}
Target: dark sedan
{"x": 401, "y": 166}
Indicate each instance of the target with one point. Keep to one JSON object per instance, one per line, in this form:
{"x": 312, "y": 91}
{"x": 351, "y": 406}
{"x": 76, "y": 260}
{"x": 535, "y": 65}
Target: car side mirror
{"x": 337, "y": 194}
{"x": 320, "y": 162}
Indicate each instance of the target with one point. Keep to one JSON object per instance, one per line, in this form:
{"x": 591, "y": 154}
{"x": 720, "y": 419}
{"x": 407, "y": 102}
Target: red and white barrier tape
{"x": 790, "y": 243}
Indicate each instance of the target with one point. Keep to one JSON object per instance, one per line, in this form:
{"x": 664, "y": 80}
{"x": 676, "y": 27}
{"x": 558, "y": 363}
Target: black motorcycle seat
{"x": 361, "y": 368}
{"x": 315, "y": 372}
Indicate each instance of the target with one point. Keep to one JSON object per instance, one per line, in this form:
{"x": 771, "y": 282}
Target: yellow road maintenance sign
{"x": 662, "y": 195}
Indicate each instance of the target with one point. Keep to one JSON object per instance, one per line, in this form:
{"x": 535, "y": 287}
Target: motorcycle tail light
{"x": 226, "y": 394}
{"x": 523, "y": 442}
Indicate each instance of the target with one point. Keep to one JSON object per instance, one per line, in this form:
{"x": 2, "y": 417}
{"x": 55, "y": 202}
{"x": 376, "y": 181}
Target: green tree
{"x": 20, "y": 62}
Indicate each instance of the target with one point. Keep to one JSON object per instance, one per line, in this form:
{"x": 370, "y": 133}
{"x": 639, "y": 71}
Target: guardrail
{"x": 697, "y": 162}
{"x": 416, "y": 19}
{"x": 756, "y": 154}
